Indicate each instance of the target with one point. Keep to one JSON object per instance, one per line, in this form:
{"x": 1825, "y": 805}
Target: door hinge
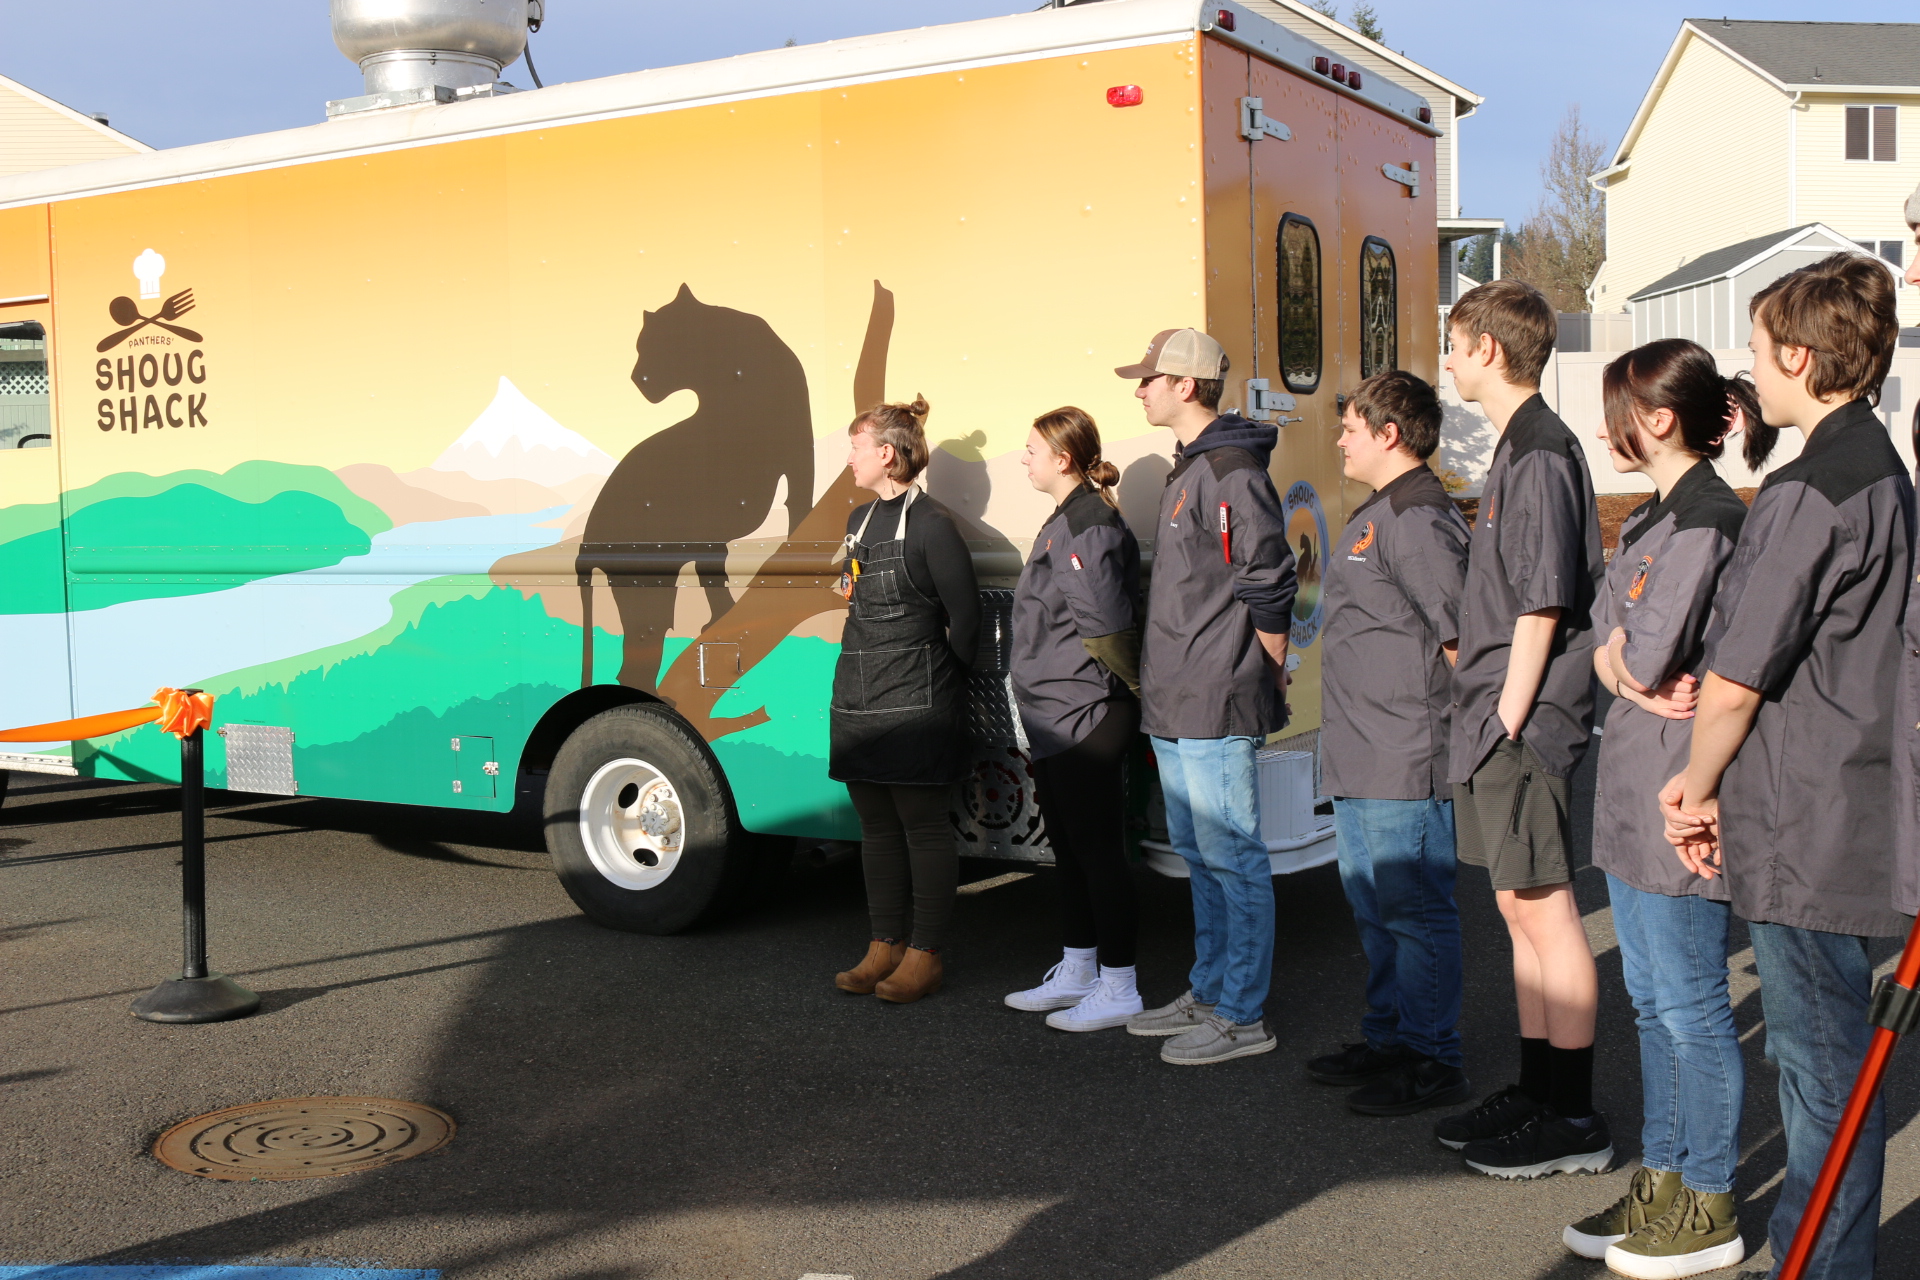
{"x": 1255, "y": 124}
{"x": 1262, "y": 404}
{"x": 1408, "y": 177}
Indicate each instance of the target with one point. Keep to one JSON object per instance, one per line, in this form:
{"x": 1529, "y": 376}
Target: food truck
{"x": 477, "y": 447}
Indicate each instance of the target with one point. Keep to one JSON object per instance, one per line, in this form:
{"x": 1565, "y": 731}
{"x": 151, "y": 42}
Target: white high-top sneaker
{"x": 1066, "y": 985}
{"x": 1111, "y": 1003}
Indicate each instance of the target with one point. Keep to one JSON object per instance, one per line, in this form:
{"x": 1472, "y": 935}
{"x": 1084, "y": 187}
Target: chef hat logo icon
{"x": 149, "y": 267}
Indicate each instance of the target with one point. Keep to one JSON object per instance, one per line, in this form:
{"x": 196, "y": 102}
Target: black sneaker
{"x": 1419, "y": 1084}
{"x": 1546, "y": 1143}
{"x": 1356, "y": 1064}
{"x": 1498, "y": 1115}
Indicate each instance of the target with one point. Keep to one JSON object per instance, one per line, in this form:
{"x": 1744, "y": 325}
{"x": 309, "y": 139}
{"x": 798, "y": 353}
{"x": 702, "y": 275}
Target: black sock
{"x": 1572, "y": 1082}
{"x": 1536, "y": 1071}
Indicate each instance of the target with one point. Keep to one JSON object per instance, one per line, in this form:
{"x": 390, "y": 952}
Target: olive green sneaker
{"x": 1649, "y": 1195}
{"x": 1698, "y": 1233}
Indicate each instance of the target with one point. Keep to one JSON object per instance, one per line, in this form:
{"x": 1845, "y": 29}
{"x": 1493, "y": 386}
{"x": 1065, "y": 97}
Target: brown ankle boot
{"x": 918, "y": 975}
{"x": 882, "y": 959}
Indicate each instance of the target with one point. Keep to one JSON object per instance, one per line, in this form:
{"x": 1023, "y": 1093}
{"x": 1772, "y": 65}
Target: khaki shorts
{"x": 1511, "y": 818}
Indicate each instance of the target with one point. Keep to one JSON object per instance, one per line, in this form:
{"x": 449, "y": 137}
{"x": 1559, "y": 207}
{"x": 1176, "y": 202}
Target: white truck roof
{"x": 1085, "y": 27}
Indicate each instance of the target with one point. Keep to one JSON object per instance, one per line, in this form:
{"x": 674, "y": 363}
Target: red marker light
{"x": 1320, "y": 65}
{"x": 1339, "y": 71}
{"x": 1426, "y": 115}
{"x": 1223, "y": 19}
{"x": 1353, "y": 79}
{"x": 1126, "y": 95}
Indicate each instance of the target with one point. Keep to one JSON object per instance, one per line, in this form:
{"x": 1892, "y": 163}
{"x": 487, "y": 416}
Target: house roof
{"x": 1846, "y": 56}
{"x": 1732, "y": 259}
{"x": 1811, "y": 55}
{"x": 1044, "y": 33}
{"x": 79, "y": 118}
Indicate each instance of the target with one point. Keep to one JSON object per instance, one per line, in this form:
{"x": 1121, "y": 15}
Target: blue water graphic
{"x": 122, "y": 653}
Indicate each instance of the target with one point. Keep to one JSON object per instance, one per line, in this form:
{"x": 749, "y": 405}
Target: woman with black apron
{"x": 898, "y": 734}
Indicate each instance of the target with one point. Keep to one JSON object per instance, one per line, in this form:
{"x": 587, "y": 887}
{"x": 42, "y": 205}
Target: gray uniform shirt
{"x": 1659, "y": 588}
{"x": 1906, "y": 760}
{"x": 1081, "y": 582}
{"x": 1809, "y": 614}
{"x": 1393, "y": 582}
{"x": 1535, "y": 546}
{"x": 1203, "y": 672}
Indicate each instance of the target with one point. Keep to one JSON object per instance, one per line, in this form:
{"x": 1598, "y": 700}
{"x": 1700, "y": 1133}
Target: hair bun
{"x": 1104, "y": 474}
{"x": 919, "y": 406}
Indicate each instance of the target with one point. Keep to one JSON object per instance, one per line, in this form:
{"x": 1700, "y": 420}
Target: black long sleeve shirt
{"x": 938, "y": 563}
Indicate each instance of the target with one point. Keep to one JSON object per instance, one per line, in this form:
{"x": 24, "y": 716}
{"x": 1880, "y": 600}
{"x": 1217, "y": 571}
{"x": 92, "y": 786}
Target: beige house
{"x": 1753, "y": 132}
{"x": 38, "y": 133}
{"x": 1451, "y": 103}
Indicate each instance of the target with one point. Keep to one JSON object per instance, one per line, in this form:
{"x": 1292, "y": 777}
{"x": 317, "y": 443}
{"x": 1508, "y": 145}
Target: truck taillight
{"x": 1353, "y": 79}
{"x": 1223, "y": 19}
{"x": 1426, "y": 115}
{"x": 1338, "y": 72}
{"x": 1126, "y": 95}
{"x": 1320, "y": 65}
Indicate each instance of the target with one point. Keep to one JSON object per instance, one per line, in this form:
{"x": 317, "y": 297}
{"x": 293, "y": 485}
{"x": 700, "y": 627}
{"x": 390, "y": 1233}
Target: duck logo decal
{"x": 1640, "y": 578}
{"x": 1366, "y": 540}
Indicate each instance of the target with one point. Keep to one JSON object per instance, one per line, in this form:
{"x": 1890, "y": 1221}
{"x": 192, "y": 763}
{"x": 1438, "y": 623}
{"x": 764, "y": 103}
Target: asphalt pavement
{"x": 708, "y": 1105}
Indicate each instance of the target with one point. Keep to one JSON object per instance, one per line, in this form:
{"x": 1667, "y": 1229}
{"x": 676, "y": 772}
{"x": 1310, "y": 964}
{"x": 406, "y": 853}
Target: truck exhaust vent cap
{"x": 425, "y": 51}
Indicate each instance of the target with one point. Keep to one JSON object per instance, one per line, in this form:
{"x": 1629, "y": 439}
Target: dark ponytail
{"x": 1681, "y": 376}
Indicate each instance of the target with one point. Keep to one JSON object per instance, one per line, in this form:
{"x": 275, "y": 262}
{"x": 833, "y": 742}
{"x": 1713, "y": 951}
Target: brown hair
{"x": 1071, "y": 433}
{"x": 1207, "y": 391}
{"x": 904, "y": 427}
{"x": 1518, "y": 317}
{"x": 1841, "y": 309}
{"x": 1398, "y": 397}
{"x": 1679, "y": 375}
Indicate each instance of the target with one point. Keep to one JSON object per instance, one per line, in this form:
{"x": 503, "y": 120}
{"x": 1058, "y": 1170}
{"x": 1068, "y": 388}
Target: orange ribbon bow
{"x": 179, "y": 714}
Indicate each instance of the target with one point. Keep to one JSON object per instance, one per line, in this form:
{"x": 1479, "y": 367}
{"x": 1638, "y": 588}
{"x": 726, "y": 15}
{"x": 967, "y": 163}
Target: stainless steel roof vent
{"x": 422, "y": 51}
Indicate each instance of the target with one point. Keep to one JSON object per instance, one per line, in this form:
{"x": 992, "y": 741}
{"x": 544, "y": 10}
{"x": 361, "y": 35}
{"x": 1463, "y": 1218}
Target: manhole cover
{"x": 302, "y": 1138}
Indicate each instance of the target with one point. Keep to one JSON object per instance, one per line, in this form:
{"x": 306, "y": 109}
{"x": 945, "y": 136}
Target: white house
{"x": 38, "y": 133}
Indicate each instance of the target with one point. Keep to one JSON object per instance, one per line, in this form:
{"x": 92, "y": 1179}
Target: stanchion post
{"x": 197, "y": 995}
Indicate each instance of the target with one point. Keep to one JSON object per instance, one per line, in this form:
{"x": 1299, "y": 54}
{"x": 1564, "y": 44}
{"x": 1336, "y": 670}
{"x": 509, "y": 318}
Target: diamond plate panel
{"x": 260, "y": 759}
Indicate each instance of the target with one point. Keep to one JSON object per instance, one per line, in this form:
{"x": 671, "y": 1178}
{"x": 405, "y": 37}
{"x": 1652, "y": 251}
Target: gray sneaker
{"x": 1216, "y": 1040}
{"x": 1178, "y": 1018}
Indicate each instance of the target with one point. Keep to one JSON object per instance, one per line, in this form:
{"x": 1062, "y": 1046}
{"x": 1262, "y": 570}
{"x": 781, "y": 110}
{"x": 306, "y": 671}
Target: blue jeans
{"x": 1692, "y": 1081}
{"x": 1213, "y": 821}
{"x": 1814, "y": 990}
{"x": 1397, "y": 866}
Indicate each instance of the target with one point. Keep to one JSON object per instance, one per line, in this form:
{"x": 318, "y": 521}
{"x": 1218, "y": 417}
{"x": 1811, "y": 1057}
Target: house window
{"x": 25, "y": 418}
{"x": 1379, "y": 308}
{"x": 1299, "y": 278}
{"x": 1870, "y": 133}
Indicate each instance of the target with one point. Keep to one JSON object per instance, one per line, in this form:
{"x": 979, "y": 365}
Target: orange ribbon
{"x": 179, "y": 714}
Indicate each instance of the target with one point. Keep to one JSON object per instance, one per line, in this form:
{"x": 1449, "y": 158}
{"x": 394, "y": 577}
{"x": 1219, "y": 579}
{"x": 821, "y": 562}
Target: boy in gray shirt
{"x": 1522, "y": 716}
{"x": 1394, "y": 579}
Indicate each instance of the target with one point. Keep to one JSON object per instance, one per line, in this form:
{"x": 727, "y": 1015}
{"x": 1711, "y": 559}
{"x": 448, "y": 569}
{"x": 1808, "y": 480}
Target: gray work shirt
{"x": 1906, "y": 759}
{"x": 1659, "y": 589}
{"x": 1393, "y": 583}
{"x": 1535, "y": 546}
{"x": 1081, "y": 582}
{"x": 1809, "y": 613}
{"x": 1203, "y": 671}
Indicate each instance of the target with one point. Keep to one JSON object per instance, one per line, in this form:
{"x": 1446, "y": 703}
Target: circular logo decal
{"x": 1307, "y": 535}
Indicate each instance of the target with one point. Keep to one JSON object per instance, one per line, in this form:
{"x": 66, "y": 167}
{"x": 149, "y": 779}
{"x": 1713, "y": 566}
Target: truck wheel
{"x": 4, "y": 775}
{"x": 640, "y": 823}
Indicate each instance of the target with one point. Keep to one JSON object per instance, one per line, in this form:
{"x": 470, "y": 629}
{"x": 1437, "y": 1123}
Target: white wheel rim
{"x": 635, "y": 844}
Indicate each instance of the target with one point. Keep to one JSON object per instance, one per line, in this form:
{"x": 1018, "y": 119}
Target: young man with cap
{"x": 1212, "y": 675}
{"x": 1393, "y": 585}
{"x": 1522, "y": 718}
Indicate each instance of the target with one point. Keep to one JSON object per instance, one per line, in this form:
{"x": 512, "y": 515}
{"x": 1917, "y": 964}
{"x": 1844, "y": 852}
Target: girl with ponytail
{"x": 1669, "y": 413}
{"x": 1076, "y": 677}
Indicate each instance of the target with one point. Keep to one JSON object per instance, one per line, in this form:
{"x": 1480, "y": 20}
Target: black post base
{"x": 214, "y": 998}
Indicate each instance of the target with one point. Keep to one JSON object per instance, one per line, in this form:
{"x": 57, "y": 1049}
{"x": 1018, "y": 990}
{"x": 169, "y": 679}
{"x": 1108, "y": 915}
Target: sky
{"x": 196, "y": 70}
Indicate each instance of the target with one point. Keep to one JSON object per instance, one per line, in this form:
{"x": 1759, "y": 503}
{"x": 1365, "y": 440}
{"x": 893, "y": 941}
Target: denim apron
{"x": 897, "y": 690}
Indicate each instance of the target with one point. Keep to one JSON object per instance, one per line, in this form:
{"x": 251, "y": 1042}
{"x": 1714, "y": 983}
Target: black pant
{"x": 1083, "y": 802}
{"x": 910, "y": 859}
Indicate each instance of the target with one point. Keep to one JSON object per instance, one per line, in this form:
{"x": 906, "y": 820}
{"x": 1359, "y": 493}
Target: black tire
{"x": 4, "y": 775}
{"x": 715, "y": 857}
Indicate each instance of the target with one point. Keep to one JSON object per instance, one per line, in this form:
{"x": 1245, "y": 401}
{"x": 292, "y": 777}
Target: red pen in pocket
{"x": 1226, "y": 538}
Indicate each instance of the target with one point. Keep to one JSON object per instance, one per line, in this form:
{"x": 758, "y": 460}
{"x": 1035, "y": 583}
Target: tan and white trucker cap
{"x": 1184, "y": 353}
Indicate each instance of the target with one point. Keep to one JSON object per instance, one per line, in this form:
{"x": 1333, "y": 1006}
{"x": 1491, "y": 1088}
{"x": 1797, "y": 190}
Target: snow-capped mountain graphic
{"x": 515, "y": 439}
